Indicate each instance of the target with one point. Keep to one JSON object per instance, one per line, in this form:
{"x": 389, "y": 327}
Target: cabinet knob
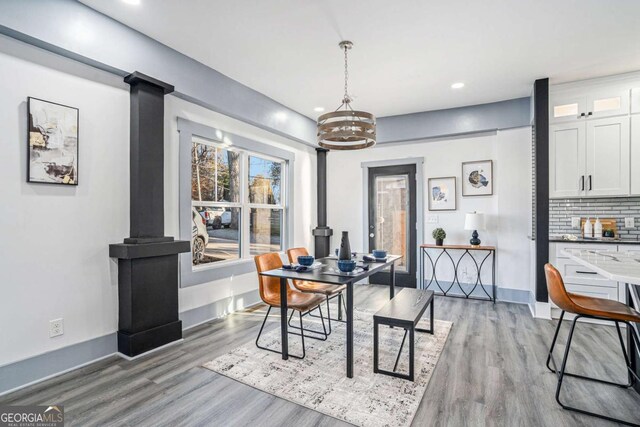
{"x": 590, "y": 113}
{"x": 581, "y": 115}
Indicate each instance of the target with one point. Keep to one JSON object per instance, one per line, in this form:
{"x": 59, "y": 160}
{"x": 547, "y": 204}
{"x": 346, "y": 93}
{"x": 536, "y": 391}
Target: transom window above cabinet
{"x": 585, "y": 104}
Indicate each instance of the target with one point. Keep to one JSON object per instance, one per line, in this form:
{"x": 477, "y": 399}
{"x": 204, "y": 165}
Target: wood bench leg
{"x": 412, "y": 342}
{"x": 375, "y": 346}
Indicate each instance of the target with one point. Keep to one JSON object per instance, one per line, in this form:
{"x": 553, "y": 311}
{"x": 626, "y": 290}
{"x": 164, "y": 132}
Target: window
{"x": 238, "y": 195}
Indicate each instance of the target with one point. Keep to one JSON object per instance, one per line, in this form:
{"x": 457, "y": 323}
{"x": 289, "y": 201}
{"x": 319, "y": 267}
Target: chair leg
{"x": 339, "y": 319}
{"x": 553, "y": 343}
{"x": 340, "y": 306}
{"x": 272, "y": 350}
{"x": 562, "y": 373}
{"x": 323, "y": 335}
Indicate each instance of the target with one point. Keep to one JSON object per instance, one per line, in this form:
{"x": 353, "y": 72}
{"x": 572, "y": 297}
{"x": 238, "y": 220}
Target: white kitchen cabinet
{"x": 567, "y": 160}
{"x": 607, "y": 157}
{"x": 635, "y": 154}
{"x": 635, "y": 100}
{"x": 607, "y": 102}
{"x": 589, "y": 158}
{"x": 567, "y": 107}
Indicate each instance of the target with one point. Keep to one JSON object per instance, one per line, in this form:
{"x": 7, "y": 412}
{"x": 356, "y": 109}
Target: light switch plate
{"x": 432, "y": 219}
{"x": 575, "y": 222}
{"x": 629, "y": 223}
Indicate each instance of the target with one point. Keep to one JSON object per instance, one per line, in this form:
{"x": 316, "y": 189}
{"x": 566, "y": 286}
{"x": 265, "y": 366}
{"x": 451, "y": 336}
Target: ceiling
{"x": 406, "y": 53}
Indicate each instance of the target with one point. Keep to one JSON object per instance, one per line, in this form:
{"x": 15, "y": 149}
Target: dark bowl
{"x": 306, "y": 260}
{"x": 346, "y": 266}
{"x": 378, "y": 253}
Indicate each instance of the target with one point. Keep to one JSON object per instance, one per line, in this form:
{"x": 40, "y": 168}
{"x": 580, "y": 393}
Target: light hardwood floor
{"x": 491, "y": 373}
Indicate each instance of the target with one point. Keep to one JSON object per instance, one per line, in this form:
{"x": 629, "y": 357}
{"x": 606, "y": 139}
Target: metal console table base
{"x": 444, "y": 250}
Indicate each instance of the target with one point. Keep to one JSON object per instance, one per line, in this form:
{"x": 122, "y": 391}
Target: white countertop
{"x": 619, "y": 266}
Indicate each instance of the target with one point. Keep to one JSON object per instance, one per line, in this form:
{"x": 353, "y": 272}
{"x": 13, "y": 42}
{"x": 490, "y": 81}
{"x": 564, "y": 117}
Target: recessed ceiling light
{"x": 133, "y": 2}
{"x": 319, "y": 109}
{"x": 458, "y": 85}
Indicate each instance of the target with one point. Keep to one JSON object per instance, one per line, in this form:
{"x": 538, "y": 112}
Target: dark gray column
{"x": 322, "y": 232}
{"x": 541, "y": 177}
{"x": 147, "y": 260}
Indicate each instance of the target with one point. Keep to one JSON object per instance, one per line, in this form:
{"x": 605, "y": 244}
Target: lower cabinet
{"x": 582, "y": 280}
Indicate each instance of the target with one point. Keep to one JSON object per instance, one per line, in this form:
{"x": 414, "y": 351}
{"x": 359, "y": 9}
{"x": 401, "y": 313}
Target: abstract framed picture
{"x": 477, "y": 178}
{"x": 442, "y": 193}
{"x": 52, "y": 134}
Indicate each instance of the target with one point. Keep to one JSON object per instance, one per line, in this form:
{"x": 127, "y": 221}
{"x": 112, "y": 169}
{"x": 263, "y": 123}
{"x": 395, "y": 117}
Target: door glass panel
{"x": 565, "y": 110}
{"x": 392, "y": 210}
{"x": 606, "y": 104}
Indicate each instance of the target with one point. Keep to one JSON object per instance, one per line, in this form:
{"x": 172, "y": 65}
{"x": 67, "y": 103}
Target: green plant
{"x": 439, "y": 234}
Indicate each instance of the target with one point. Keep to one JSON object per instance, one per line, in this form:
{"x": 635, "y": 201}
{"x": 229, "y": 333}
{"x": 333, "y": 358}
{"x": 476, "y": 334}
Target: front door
{"x": 392, "y": 219}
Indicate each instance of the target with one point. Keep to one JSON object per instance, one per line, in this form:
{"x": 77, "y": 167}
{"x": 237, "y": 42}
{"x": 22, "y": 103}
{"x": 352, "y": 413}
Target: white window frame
{"x": 191, "y": 132}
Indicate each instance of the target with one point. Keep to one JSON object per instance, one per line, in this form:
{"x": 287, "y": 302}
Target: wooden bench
{"x": 405, "y": 311}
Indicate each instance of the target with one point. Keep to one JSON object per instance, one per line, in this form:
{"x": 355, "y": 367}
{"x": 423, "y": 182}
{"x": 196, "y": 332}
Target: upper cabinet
{"x": 585, "y": 104}
{"x": 594, "y": 138}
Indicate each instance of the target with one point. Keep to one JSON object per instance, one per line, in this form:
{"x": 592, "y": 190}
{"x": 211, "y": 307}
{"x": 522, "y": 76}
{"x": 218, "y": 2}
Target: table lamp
{"x": 474, "y": 221}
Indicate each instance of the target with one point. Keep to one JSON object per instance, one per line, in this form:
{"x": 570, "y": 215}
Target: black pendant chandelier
{"x": 346, "y": 128}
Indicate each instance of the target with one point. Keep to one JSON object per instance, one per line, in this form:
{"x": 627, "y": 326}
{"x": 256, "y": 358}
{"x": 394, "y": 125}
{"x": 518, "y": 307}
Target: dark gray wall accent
{"x": 188, "y": 130}
{"x": 37, "y": 368}
{"x": 455, "y": 121}
{"x": 55, "y": 25}
{"x": 561, "y": 211}
{"x": 541, "y": 177}
{"x": 322, "y": 233}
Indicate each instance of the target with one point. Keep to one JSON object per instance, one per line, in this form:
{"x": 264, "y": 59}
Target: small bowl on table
{"x": 346, "y": 265}
{"x": 306, "y": 260}
{"x": 379, "y": 254}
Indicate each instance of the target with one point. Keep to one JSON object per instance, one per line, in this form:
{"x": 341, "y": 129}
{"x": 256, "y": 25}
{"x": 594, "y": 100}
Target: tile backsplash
{"x": 561, "y": 211}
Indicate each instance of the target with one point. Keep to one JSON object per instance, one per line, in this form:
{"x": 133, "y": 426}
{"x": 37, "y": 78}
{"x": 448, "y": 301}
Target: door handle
{"x": 590, "y": 183}
{"x": 582, "y": 183}
{"x": 586, "y": 272}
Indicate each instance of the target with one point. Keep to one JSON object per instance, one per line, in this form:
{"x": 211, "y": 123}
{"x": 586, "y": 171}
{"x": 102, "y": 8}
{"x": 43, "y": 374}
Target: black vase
{"x": 345, "y": 247}
{"x": 439, "y": 242}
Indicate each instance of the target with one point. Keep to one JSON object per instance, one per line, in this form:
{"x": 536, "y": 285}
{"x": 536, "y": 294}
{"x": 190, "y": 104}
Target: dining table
{"x": 623, "y": 267}
{"x": 328, "y": 272}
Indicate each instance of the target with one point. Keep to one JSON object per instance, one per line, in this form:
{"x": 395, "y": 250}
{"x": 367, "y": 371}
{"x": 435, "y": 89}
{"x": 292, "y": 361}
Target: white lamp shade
{"x": 474, "y": 221}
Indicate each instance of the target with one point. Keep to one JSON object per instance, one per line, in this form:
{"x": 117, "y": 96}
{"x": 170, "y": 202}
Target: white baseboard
{"x": 542, "y": 310}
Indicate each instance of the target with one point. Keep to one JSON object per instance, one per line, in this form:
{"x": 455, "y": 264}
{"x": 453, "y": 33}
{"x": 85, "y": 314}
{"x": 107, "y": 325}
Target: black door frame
{"x": 404, "y": 279}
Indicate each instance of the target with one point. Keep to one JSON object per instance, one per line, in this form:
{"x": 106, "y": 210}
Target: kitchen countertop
{"x": 556, "y": 239}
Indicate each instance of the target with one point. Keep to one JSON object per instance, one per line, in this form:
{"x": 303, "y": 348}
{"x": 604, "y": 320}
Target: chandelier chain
{"x": 346, "y": 76}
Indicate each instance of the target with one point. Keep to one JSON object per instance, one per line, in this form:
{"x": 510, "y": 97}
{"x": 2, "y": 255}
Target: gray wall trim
{"x": 187, "y": 130}
{"x": 43, "y": 366}
{"x": 508, "y": 114}
{"x": 518, "y": 296}
{"x": 218, "y": 309}
{"x": 419, "y": 162}
{"x": 48, "y": 24}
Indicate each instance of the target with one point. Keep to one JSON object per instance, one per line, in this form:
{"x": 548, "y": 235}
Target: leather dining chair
{"x": 296, "y": 300}
{"x": 326, "y": 290}
{"x": 590, "y": 308}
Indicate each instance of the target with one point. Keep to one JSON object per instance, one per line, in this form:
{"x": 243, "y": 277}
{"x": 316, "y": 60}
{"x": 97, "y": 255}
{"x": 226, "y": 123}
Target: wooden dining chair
{"x": 326, "y": 290}
{"x": 590, "y": 308}
{"x": 296, "y": 301}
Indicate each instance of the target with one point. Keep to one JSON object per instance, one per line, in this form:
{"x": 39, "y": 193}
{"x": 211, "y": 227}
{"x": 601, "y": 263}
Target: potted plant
{"x": 439, "y": 234}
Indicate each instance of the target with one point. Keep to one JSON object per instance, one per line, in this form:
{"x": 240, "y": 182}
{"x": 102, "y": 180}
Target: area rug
{"x": 319, "y": 381}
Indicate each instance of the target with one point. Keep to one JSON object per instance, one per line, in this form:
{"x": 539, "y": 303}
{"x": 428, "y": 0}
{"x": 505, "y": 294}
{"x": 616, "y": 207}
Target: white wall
{"x": 54, "y": 259}
{"x": 507, "y": 211}
{"x": 303, "y": 211}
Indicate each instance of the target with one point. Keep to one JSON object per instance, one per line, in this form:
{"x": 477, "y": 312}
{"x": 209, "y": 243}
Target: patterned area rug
{"x": 319, "y": 381}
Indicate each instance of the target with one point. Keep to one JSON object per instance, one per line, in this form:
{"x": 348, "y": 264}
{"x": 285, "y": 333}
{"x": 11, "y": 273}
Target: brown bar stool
{"x": 591, "y": 308}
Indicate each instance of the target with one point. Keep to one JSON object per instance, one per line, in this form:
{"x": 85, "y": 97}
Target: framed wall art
{"x": 52, "y": 142}
{"x": 477, "y": 178}
{"x": 442, "y": 193}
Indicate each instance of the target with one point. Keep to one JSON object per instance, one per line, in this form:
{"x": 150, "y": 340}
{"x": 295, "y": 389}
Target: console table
{"x": 445, "y": 251}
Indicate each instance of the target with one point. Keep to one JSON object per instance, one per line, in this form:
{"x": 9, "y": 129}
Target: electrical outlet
{"x": 56, "y": 327}
{"x": 432, "y": 219}
{"x": 575, "y": 222}
{"x": 629, "y": 222}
